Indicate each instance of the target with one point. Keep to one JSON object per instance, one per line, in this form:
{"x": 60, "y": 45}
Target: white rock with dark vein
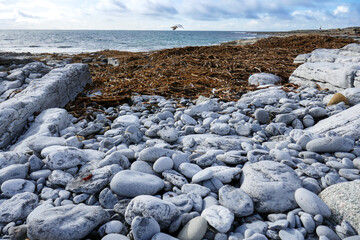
{"x": 18, "y": 207}
{"x": 65, "y": 222}
{"x": 271, "y": 186}
{"x": 129, "y": 183}
{"x": 163, "y": 212}
{"x": 218, "y": 217}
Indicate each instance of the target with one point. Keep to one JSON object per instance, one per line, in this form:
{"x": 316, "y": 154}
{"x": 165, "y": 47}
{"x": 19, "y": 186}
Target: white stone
{"x": 218, "y": 217}
{"x": 144, "y": 205}
{"x": 311, "y": 203}
{"x": 129, "y": 183}
{"x": 263, "y": 79}
{"x": 18, "y": 207}
{"x": 126, "y": 120}
{"x": 12, "y": 172}
{"x": 271, "y": 186}
{"x": 162, "y": 164}
{"x": 65, "y": 222}
{"x": 14, "y": 186}
{"x": 236, "y": 200}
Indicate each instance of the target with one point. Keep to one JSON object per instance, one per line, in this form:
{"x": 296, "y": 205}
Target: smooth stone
{"x": 290, "y": 233}
{"x": 169, "y": 135}
{"x": 142, "y": 166}
{"x": 40, "y": 142}
{"x": 18, "y": 207}
{"x": 203, "y": 175}
{"x": 107, "y": 199}
{"x": 308, "y": 120}
{"x": 195, "y": 229}
{"x": 220, "y": 128}
{"x": 236, "y": 200}
{"x": 151, "y": 154}
{"x": 162, "y": 164}
{"x": 13, "y": 172}
{"x": 9, "y": 158}
{"x": 163, "y": 236}
{"x": 318, "y": 112}
{"x": 44, "y": 173}
{"x": 330, "y": 144}
{"x": 189, "y": 169}
{"x": 143, "y": 228}
{"x": 129, "y": 183}
{"x": 342, "y": 199}
{"x": 115, "y": 236}
{"x": 271, "y": 186}
{"x": 263, "y": 79}
{"x": 218, "y": 217}
{"x": 195, "y": 188}
{"x": 308, "y": 222}
{"x": 15, "y": 186}
{"x": 165, "y": 213}
{"x": 311, "y": 203}
{"x": 188, "y": 120}
{"x": 125, "y": 120}
{"x": 65, "y": 158}
{"x": 243, "y": 130}
{"x": 327, "y": 232}
{"x": 286, "y": 118}
{"x": 352, "y": 95}
{"x": 65, "y": 222}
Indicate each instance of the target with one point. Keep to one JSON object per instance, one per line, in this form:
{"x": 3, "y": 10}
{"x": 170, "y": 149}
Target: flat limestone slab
{"x": 55, "y": 89}
{"x": 336, "y": 69}
{"x": 345, "y": 123}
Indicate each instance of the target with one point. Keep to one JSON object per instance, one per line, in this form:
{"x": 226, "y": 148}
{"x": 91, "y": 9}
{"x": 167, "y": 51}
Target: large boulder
{"x": 343, "y": 201}
{"x": 271, "y": 186}
{"x": 345, "y": 123}
{"x": 335, "y": 69}
{"x": 65, "y": 222}
{"x": 55, "y": 89}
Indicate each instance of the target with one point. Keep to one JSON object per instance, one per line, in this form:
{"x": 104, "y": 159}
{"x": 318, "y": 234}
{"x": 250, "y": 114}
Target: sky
{"x": 232, "y": 15}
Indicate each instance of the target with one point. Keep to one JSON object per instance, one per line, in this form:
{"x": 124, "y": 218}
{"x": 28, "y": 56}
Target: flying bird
{"x": 176, "y": 26}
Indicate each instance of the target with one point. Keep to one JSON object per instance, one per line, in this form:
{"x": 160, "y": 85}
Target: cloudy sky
{"x": 238, "y": 15}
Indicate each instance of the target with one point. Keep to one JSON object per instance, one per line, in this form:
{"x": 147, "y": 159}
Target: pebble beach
{"x": 279, "y": 158}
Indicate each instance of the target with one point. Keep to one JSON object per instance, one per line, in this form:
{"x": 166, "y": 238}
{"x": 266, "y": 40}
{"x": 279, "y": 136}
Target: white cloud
{"x": 341, "y": 9}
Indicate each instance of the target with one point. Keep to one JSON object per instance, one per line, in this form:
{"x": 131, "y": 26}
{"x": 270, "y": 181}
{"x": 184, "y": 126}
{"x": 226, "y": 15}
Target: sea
{"x": 77, "y": 41}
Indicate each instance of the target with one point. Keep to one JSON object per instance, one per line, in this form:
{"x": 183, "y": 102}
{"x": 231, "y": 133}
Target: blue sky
{"x": 238, "y": 15}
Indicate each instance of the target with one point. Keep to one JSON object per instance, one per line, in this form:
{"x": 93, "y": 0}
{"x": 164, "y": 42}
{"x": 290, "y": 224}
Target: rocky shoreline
{"x": 277, "y": 163}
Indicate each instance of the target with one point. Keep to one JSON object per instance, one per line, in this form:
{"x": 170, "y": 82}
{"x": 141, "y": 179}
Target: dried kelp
{"x": 212, "y": 71}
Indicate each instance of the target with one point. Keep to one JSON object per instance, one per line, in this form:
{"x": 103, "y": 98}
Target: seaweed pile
{"x": 211, "y": 71}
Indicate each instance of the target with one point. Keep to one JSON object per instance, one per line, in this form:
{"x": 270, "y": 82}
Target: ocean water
{"x": 76, "y": 41}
